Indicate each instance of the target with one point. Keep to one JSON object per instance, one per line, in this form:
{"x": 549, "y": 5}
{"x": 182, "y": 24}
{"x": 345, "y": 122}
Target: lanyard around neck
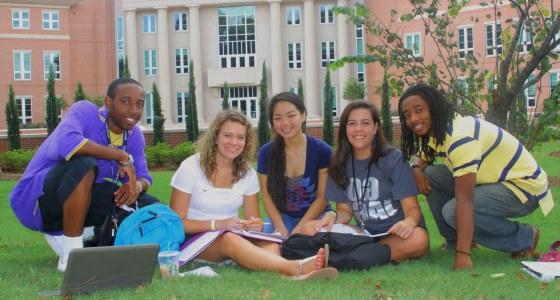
{"x": 360, "y": 197}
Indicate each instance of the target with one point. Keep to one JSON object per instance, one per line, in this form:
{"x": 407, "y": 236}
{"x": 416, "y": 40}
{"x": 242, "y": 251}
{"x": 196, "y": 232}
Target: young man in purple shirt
{"x": 70, "y": 181}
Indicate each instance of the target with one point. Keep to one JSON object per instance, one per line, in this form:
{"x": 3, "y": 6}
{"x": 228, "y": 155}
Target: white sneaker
{"x": 68, "y": 243}
{"x": 55, "y": 242}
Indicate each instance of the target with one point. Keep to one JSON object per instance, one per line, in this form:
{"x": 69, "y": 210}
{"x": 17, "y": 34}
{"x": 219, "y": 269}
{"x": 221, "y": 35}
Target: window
{"x": 20, "y": 19}
{"x": 293, "y": 15}
{"x": 326, "y": 14}
{"x": 294, "y": 56}
{"x": 23, "y": 104}
{"x": 293, "y": 90}
{"x": 334, "y": 102}
{"x": 492, "y": 84}
{"x": 530, "y": 92}
{"x": 493, "y": 39}
{"x": 149, "y": 23}
{"x": 149, "y": 104}
{"x": 360, "y": 51}
{"x": 556, "y": 38}
{"x": 327, "y": 53}
{"x": 554, "y": 82}
{"x": 150, "y": 62}
{"x": 22, "y": 65}
{"x": 466, "y": 42}
{"x": 244, "y": 99}
{"x": 182, "y": 104}
{"x": 412, "y": 43}
{"x": 181, "y": 61}
{"x": 119, "y": 34}
{"x": 51, "y": 58}
{"x": 51, "y": 20}
{"x": 180, "y": 21}
{"x": 236, "y": 36}
{"x": 525, "y": 43}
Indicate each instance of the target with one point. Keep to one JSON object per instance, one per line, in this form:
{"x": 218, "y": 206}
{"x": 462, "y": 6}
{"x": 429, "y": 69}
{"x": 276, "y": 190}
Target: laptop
{"x": 92, "y": 269}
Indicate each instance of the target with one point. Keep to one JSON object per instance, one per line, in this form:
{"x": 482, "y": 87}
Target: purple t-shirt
{"x": 301, "y": 191}
{"x": 84, "y": 121}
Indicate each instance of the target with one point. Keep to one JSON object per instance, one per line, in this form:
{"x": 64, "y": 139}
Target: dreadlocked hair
{"x": 276, "y": 180}
{"x": 441, "y": 113}
{"x": 343, "y": 150}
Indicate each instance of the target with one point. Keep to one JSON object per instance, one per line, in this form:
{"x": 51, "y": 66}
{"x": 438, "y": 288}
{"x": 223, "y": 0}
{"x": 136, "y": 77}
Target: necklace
{"x": 114, "y": 164}
{"x": 360, "y": 197}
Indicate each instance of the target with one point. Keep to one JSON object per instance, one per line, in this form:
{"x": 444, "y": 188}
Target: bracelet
{"x": 213, "y": 224}
{"x": 333, "y": 213}
{"x": 464, "y": 252}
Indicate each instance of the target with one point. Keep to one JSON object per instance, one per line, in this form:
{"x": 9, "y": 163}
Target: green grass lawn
{"x": 27, "y": 266}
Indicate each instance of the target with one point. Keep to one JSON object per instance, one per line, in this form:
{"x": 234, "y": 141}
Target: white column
{"x": 131, "y": 43}
{"x": 164, "y": 84}
{"x": 343, "y": 42}
{"x": 195, "y": 53}
{"x": 276, "y": 48}
{"x": 312, "y": 98}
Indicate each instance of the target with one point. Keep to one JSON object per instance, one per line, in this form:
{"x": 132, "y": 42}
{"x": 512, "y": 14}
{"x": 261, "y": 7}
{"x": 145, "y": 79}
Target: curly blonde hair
{"x": 207, "y": 145}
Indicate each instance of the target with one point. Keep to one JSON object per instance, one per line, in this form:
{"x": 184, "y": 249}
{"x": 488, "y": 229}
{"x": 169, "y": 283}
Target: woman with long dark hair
{"x": 486, "y": 178}
{"x": 292, "y": 168}
{"x": 211, "y": 186}
{"x": 370, "y": 180}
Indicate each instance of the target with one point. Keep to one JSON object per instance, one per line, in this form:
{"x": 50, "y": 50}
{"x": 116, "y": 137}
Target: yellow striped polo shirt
{"x": 475, "y": 146}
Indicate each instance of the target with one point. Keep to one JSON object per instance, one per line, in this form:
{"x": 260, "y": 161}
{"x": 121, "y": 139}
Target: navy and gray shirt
{"x": 376, "y": 196}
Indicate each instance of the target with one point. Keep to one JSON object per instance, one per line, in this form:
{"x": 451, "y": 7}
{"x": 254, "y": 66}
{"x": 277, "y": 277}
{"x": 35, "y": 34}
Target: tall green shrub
{"x": 52, "y": 108}
{"x": 12, "y": 120}
{"x": 126, "y": 72}
{"x": 386, "y": 120}
{"x": 192, "y": 118}
{"x": 158, "y": 117}
{"x": 79, "y": 93}
{"x": 264, "y": 131}
{"x": 300, "y": 94}
{"x": 328, "y": 130}
{"x": 225, "y": 98}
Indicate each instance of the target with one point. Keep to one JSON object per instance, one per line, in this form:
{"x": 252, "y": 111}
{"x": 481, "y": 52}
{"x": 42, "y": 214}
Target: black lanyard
{"x": 123, "y": 147}
{"x": 360, "y": 198}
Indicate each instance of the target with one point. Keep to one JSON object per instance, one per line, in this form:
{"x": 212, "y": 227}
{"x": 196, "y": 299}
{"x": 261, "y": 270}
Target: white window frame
{"x": 326, "y": 14}
{"x": 24, "y": 116}
{"x": 531, "y": 89}
{"x": 328, "y": 53}
{"x": 181, "y": 61}
{"x": 557, "y": 37}
{"x": 149, "y": 108}
{"x": 51, "y": 23}
{"x": 414, "y": 35}
{"x": 525, "y": 42}
{"x": 244, "y": 96}
{"x": 237, "y": 50}
{"x": 182, "y": 103}
{"x": 180, "y": 25}
{"x": 119, "y": 44}
{"x": 493, "y": 48}
{"x": 295, "y": 61}
{"x": 360, "y": 67}
{"x": 150, "y": 66}
{"x": 22, "y": 72}
{"x": 48, "y": 59}
{"x": 23, "y": 23}
{"x": 149, "y": 23}
{"x": 467, "y": 48}
{"x": 293, "y": 15}
{"x": 554, "y": 73}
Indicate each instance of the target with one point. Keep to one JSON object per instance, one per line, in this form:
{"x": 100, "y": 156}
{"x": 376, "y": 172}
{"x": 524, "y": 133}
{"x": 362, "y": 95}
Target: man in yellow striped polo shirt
{"x": 486, "y": 178}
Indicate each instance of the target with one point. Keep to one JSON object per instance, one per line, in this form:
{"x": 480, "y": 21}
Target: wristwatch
{"x": 128, "y": 162}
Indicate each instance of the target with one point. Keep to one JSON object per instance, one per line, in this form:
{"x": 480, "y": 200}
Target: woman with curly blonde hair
{"x": 210, "y": 187}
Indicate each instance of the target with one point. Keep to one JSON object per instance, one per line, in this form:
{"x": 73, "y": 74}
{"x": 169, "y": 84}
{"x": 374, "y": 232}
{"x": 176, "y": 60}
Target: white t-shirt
{"x": 208, "y": 202}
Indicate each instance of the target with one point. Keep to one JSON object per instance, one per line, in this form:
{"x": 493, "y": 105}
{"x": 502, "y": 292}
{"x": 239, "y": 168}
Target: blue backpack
{"x": 152, "y": 224}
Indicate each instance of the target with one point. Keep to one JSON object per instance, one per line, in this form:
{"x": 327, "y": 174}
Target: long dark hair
{"x": 343, "y": 150}
{"x": 276, "y": 181}
{"x": 441, "y": 113}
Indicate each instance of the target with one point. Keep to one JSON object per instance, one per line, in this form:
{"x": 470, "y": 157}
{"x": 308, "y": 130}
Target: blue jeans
{"x": 493, "y": 205}
{"x": 289, "y": 221}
